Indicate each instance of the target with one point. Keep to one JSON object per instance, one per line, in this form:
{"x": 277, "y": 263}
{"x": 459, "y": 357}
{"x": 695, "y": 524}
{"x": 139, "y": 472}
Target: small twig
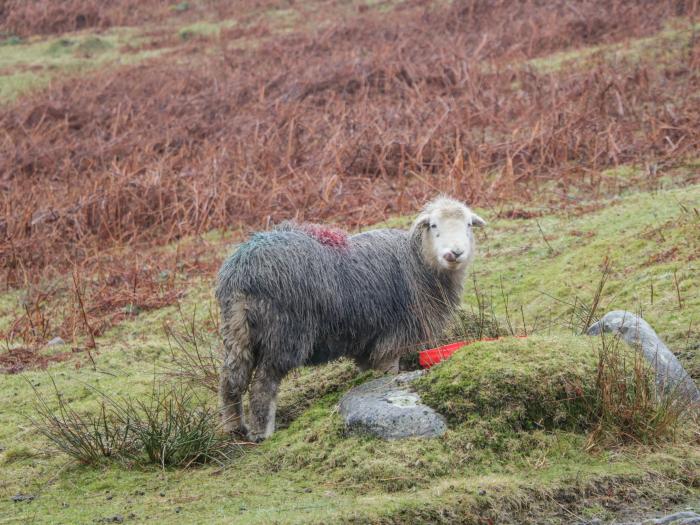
{"x": 92, "y": 343}
{"x": 687, "y": 337}
{"x": 573, "y": 313}
{"x": 29, "y": 318}
{"x": 544, "y": 238}
{"x": 678, "y": 290}
{"x": 598, "y": 294}
{"x": 505, "y": 304}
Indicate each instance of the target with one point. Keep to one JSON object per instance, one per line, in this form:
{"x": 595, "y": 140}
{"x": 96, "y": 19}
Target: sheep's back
{"x": 282, "y": 267}
{"x": 360, "y": 287}
{"x": 378, "y": 279}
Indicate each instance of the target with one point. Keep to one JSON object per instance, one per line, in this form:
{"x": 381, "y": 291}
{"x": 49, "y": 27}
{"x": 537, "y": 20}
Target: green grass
{"x": 32, "y": 64}
{"x": 204, "y": 29}
{"x": 543, "y": 382}
{"x": 516, "y": 444}
{"x": 672, "y": 41}
{"x": 650, "y": 240}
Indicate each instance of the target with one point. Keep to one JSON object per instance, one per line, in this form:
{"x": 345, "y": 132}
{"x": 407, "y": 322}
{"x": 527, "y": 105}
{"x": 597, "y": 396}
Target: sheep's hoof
{"x": 239, "y": 434}
{"x": 254, "y": 437}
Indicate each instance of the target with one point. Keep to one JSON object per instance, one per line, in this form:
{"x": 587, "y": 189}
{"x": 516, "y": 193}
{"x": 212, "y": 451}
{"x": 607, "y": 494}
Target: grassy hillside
{"x": 142, "y": 136}
{"x": 551, "y": 266}
{"x": 516, "y": 448}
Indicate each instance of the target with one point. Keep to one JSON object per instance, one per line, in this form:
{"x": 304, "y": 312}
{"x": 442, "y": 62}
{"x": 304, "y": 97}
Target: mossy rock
{"x": 518, "y": 384}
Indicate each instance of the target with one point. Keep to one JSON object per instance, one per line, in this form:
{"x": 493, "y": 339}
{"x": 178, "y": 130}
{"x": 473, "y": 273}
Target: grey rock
{"x": 676, "y": 518}
{"x": 389, "y": 409}
{"x": 56, "y": 341}
{"x": 670, "y": 374}
{"x": 22, "y": 497}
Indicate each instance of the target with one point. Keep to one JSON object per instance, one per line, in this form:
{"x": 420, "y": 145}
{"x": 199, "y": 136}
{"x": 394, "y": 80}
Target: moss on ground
{"x": 31, "y": 64}
{"x": 204, "y": 29}
{"x": 27, "y": 65}
{"x": 517, "y": 384}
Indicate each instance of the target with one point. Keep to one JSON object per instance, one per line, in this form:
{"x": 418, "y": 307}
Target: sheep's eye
{"x": 433, "y": 225}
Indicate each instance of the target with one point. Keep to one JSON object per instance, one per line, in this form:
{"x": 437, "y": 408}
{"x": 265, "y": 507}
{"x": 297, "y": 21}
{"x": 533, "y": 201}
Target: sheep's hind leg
{"x": 263, "y": 403}
{"x": 236, "y": 371}
{"x": 362, "y": 362}
{"x": 233, "y": 383}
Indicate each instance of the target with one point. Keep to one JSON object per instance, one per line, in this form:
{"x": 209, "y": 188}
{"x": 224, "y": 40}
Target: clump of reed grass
{"x": 629, "y": 406}
{"x": 91, "y": 437}
{"x": 169, "y": 427}
{"x": 173, "y": 428}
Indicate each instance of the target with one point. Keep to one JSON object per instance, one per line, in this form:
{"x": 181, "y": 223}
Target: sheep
{"x": 304, "y": 294}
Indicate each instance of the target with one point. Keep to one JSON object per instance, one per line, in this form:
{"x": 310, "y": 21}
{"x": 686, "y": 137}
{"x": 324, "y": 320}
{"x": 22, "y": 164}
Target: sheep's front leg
{"x": 263, "y": 403}
{"x": 388, "y": 366}
{"x": 383, "y": 358}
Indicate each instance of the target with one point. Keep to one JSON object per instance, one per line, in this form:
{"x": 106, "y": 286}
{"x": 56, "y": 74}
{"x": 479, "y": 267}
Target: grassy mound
{"x": 518, "y": 384}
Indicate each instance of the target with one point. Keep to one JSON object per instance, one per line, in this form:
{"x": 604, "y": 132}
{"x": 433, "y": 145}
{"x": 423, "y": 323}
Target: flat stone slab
{"x": 687, "y": 517}
{"x": 389, "y": 409}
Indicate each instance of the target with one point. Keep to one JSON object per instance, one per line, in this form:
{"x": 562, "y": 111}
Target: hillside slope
{"x": 498, "y": 460}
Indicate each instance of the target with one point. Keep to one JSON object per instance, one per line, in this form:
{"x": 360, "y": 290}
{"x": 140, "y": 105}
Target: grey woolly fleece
{"x": 308, "y": 302}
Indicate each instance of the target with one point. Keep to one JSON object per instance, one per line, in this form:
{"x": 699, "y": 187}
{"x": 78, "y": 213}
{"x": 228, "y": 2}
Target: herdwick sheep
{"x": 304, "y": 294}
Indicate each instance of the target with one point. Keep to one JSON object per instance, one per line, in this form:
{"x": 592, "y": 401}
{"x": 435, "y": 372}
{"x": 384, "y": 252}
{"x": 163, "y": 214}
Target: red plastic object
{"x": 433, "y": 356}
{"x": 428, "y": 358}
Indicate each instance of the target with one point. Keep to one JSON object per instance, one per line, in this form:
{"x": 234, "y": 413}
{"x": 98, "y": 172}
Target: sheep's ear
{"x": 477, "y": 221}
{"x": 421, "y": 223}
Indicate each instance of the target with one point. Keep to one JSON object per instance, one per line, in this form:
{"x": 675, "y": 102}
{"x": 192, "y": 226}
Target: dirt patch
{"x": 579, "y": 233}
{"x": 17, "y": 360}
{"x": 518, "y": 213}
{"x": 667, "y": 255}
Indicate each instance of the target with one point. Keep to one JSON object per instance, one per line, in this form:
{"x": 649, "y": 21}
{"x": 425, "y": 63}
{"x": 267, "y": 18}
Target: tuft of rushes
{"x": 174, "y": 429}
{"x": 170, "y": 427}
{"x": 629, "y": 406}
{"x": 90, "y": 438}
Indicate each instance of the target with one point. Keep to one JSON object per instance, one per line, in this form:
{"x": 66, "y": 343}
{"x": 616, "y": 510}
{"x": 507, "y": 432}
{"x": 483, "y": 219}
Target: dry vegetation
{"x": 350, "y": 123}
{"x": 43, "y": 17}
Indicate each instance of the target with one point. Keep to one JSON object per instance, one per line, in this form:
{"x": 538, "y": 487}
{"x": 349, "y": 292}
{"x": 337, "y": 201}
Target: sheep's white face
{"x": 448, "y": 240}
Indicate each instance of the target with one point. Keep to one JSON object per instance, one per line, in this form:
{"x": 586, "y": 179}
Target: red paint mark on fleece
{"x": 330, "y": 237}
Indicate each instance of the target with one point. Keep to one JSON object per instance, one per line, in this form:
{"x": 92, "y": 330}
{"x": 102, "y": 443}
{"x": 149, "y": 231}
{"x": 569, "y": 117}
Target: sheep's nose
{"x": 452, "y": 255}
